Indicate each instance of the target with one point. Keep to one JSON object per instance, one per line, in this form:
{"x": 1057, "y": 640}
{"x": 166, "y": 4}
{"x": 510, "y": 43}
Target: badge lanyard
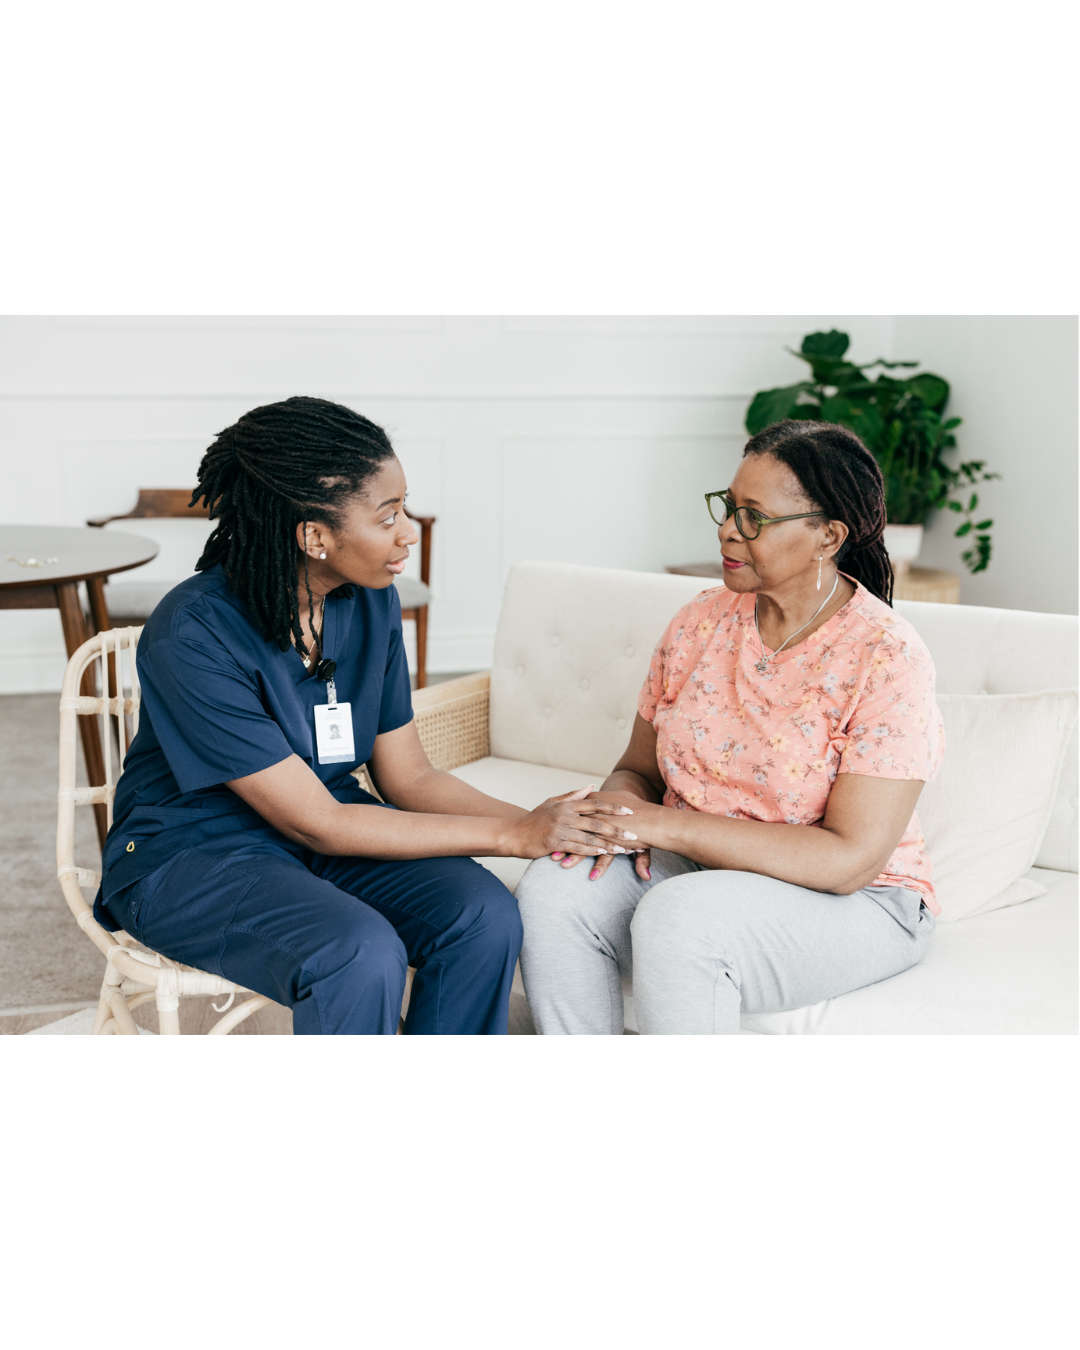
{"x": 333, "y": 722}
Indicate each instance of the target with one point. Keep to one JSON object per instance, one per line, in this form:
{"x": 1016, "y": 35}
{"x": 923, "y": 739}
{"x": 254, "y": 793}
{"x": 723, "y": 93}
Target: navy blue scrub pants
{"x": 331, "y": 937}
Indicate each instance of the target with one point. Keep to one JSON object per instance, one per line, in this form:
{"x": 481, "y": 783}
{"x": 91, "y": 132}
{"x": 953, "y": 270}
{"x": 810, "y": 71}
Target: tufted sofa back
{"x": 573, "y": 645}
{"x": 571, "y": 651}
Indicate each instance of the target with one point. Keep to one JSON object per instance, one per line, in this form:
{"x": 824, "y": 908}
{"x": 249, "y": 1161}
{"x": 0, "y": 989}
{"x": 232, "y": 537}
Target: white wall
{"x": 586, "y": 440}
{"x": 1014, "y": 382}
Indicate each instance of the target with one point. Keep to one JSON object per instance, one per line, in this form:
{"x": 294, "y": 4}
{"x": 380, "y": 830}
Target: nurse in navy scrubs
{"x": 241, "y": 843}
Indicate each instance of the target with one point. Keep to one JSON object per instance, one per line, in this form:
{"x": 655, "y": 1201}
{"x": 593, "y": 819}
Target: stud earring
{"x": 818, "y": 571}
{"x": 323, "y": 555}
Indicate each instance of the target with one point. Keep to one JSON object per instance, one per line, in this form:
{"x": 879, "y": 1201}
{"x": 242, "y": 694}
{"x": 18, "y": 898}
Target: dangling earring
{"x": 818, "y": 571}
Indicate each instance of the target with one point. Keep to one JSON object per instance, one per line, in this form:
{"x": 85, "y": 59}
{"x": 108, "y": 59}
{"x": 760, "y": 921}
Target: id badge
{"x": 334, "y": 733}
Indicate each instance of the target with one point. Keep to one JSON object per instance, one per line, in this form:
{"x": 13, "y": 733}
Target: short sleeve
{"x": 653, "y": 687}
{"x": 395, "y": 707}
{"x": 207, "y": 714}
{"x": 668, "y": 662}
{"x": 896, "y": 729}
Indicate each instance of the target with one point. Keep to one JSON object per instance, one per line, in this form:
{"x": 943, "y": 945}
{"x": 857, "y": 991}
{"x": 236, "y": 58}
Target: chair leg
{"x": 421, "y": 647}
{"x": 104, "y": 1012}
{"x": 168, "y": 1009}
{"x": 125, "y": 1023}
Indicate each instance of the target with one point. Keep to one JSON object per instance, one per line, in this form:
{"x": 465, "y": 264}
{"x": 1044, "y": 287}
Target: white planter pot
{"x": 902, "y": 543}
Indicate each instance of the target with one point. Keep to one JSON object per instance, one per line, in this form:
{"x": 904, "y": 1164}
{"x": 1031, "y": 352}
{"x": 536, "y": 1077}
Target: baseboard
{"x": 32, "y": 672}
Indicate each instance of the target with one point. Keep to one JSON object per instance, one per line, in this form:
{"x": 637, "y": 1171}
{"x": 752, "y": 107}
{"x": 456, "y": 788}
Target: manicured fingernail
{"x": 594, "y": 874}
{"x": 627, "y": 835}
{"x": 617, "y": 848}
{"x": 648, "y": 874}
{"x": 625, "y": 811}
{"x": 556, "y": 856}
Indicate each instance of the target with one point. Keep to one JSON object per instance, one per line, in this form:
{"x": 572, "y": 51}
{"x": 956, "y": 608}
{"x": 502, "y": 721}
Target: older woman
{"x": 784, "y": 732}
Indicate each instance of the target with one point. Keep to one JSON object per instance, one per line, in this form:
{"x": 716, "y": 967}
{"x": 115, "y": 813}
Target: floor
{"x": 49, "y": 971}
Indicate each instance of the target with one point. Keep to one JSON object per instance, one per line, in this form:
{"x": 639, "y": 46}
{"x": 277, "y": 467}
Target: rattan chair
{"x": 133, "y": 974}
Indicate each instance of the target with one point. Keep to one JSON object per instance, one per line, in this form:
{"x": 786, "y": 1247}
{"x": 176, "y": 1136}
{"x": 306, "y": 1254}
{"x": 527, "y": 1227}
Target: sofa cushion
{"x": 985, "y": 815}
{"x": 978, "y": 650}
{"x": 1013, "y": 972}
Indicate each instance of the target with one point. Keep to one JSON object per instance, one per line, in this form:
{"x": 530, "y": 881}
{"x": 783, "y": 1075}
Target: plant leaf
{"x": 932, "y": 389}
{"x": 955, "y": 506}
{"x": 773, "y": 405}
{"x": 863, "y": 418}
{"x": 984, "y": 525}
{"x": 974, "y": 501}
{"x": 964, "y": 529}
{"x": 832, "y": 344}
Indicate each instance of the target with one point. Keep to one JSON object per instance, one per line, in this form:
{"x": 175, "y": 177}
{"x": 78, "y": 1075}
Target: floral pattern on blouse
{"x": 856, "y": 696}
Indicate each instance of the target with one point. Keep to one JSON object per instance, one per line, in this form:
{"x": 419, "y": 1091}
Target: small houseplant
{"x": 902, "y": 421}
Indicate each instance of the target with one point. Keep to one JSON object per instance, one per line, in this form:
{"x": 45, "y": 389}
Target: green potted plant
{"x": 902, "y": 421}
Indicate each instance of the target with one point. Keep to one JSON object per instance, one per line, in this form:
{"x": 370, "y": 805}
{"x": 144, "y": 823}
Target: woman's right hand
{"x": 570, "y": 825}
{"x": 643, "y": 856}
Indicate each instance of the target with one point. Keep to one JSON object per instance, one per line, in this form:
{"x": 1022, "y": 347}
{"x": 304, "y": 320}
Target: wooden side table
{"x": 698, "y": 569}
{"x": 40, "y": 568}
{"x": 927, "y": 583}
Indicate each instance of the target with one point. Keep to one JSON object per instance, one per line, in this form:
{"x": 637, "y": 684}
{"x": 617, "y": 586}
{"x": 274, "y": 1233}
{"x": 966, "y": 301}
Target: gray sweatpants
{"x": 702, "y": 946}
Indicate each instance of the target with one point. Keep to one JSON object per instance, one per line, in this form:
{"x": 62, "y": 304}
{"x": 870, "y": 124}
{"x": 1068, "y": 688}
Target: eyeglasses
{"x": 748, "y": 521}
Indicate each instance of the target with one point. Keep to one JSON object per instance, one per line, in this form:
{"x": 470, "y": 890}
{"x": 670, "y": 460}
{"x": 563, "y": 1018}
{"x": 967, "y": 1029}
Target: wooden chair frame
{"x": 172, "y": 504}
{"x": 419, "y": 613}
{"x": 158, "y": 504}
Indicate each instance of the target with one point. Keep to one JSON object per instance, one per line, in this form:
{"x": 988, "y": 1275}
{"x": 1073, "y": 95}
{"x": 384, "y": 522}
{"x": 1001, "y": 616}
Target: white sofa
{"x": 571, "y": 650}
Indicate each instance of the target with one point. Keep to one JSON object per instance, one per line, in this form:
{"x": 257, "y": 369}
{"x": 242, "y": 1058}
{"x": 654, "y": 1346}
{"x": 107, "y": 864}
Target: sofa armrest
{"x": 452, "y": 719}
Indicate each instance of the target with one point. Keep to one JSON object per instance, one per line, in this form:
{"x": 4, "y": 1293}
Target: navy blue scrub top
{"x": 221, "y": 701}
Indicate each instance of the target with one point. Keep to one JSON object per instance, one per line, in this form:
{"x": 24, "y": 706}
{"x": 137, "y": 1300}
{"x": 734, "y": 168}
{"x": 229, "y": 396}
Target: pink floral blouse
{"x": 857, "y": 696}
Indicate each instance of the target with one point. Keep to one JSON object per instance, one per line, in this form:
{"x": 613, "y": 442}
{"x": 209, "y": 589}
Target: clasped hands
{"x": 613, "y": 840}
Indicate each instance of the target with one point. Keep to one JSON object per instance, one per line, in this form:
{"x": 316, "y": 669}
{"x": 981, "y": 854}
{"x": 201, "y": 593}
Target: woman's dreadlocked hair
{"x": 841, "y": 477}
{"x": 278, "y": 466}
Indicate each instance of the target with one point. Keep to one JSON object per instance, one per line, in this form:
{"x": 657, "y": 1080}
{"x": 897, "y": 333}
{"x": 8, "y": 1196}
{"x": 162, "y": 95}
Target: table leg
{"x": 99, "y": 610}
{"x": 75, "y": 634}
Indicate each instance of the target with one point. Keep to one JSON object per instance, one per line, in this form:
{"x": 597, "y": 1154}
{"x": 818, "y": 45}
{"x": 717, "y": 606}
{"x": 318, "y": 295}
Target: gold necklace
{"x": 317, "y": 636}
{"x": 762, "y": 666}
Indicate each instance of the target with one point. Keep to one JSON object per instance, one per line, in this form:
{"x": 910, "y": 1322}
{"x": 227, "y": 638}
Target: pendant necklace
{"x": 317, "y": 639}
{"x": 762, "y": 666}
